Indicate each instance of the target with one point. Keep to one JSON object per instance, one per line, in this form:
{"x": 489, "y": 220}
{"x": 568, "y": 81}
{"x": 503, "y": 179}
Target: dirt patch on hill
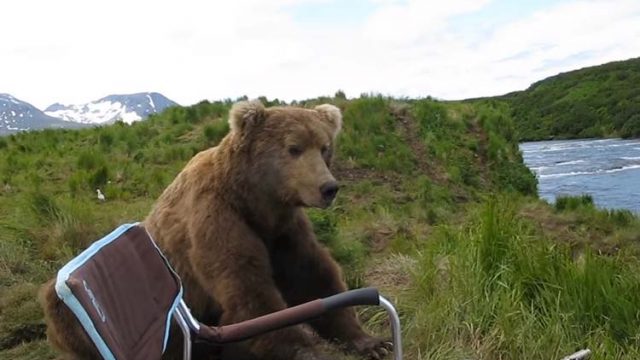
{"x": 409, "y": 129}
{"x": 392, "y": 274}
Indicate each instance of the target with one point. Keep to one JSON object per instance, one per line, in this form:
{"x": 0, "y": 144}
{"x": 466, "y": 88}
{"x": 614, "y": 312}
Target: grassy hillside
{"x": 437, "y": 210}
{"x": 599, "y": 101}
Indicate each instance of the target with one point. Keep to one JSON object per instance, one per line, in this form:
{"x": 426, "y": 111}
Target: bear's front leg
{"x": 234, "y": 268}
{"x": 304, "y": 271}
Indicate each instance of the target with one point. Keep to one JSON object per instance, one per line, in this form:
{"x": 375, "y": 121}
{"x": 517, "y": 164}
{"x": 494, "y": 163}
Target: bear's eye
{"x": 324, "y": 150}
{"x": 295, "y": 150}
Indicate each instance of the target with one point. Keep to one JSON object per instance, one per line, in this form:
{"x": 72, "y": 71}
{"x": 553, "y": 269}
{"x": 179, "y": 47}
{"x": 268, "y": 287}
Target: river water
{"x": 608, "y": 170}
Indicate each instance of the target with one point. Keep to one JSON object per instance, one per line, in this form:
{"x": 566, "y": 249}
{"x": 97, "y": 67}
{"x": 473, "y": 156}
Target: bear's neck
{"x": 268, "y": 220}
{"x": 264, "y": 215}
{"x": 265, "y": 212}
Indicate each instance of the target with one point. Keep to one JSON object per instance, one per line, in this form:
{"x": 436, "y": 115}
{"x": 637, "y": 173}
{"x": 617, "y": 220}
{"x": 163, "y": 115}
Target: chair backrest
{"x": 124, "y": 292}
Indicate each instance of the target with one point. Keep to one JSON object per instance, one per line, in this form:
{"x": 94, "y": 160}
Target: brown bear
{"x": 233, "y": 227}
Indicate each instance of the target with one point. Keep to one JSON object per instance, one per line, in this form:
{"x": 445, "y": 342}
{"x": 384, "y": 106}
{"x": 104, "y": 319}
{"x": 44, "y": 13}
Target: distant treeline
{"x": 599, "y": 101}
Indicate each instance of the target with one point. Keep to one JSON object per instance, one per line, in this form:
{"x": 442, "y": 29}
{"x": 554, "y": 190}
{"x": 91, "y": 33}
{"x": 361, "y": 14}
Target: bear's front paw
{"x": 372, "y": 347}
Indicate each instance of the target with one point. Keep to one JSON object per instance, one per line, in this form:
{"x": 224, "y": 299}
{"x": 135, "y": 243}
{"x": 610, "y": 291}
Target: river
{"x": 607, "y": 169}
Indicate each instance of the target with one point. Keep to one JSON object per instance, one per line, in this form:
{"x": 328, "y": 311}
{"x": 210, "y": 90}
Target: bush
{"x": 105, "y": 139}
{"x": 99, "y": 177}
{"x": 90, "y": 159}
{"x": 564, "y": 203}
{"x": 621, "y": 217}
{"x": 631, "y": 128}
{"x": 215, "y": 131}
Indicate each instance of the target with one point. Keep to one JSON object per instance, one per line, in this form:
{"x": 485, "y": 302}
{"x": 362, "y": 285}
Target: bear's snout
{"x": 329, "y": 190}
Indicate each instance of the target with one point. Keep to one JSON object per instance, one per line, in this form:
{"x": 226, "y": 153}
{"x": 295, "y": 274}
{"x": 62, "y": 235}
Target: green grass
{"x": 495, "y": 289}
{"x": 371, "y": 138}
{"x": 436, "y": 209}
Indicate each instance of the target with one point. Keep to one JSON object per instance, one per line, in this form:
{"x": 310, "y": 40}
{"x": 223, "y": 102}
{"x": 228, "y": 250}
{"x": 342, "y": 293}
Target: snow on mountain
{"x": 17, "y": 115}
{"x": 128, "y": 108}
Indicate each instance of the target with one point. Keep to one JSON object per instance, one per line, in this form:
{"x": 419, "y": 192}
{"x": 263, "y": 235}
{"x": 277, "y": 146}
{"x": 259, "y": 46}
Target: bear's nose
{"x": 329, "y": 190}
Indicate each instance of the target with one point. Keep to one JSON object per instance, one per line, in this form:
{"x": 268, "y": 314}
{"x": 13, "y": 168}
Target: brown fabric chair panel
{"x": 128, "y": 291}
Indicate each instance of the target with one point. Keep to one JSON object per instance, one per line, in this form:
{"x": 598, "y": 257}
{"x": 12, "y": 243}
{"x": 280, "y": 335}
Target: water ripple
{"x": 608, "y": 169}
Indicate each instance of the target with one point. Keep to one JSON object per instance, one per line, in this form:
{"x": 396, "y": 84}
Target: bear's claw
{"x": 373, "y": 348}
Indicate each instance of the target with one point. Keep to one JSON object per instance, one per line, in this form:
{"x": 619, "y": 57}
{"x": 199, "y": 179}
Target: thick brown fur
{"x": 232, "y": 225}
{"x": 63, "y": 330}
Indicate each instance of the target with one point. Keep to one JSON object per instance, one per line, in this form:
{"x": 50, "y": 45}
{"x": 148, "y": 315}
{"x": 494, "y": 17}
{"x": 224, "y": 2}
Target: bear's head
{"x": 288, "y": 150}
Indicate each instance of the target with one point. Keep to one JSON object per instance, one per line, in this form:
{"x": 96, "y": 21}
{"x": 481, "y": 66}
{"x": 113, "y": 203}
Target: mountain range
{"x": 18, "y": 115}
{"x": 595, "y": 101}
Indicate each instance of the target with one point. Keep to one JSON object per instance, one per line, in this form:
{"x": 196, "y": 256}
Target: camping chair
{"x": 124, "y": 293}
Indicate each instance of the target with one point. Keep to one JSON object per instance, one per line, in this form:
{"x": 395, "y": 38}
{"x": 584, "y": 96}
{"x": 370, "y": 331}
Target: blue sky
{"x": 332, "y": 13}
{"x": 500, "y": 12}
{"x": 74, "y": 51}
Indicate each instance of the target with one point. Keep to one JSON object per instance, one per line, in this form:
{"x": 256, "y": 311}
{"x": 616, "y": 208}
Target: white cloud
{"x": 440, "y": 60}
{"x": 565, "y": 37}
{"x": 76, "y": 51}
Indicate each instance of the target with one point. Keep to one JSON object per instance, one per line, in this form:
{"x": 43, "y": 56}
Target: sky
{"x": 74, "y": 52}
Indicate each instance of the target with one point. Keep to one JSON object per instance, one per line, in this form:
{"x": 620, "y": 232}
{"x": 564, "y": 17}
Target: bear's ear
{"x": 332, "y": 115}
{"x": 245, "y": 113}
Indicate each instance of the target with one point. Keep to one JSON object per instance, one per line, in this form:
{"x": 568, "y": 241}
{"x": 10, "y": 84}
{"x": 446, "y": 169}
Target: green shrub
{"x": 99, "y": 177}
{"x": 621, "y": 217}
{"x": 574, "y": 202}
{"x": 215, "y": 131}
{"x": 631, "y": 128}
{"x": 90, "y": 160}
{"x": 106, "y": 139}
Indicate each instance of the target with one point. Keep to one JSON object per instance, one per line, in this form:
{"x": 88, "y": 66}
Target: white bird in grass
{"x": 100, "y": 195}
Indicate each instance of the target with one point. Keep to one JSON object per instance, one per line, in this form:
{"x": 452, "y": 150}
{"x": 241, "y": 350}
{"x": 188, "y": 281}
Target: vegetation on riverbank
{"x": 437, "y": 209}
{"x": 598, "y": 101}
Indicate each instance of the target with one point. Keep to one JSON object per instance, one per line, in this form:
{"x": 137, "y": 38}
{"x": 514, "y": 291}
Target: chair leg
{"x": 186, "y": 334}
{"x": 395, "y": 327}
